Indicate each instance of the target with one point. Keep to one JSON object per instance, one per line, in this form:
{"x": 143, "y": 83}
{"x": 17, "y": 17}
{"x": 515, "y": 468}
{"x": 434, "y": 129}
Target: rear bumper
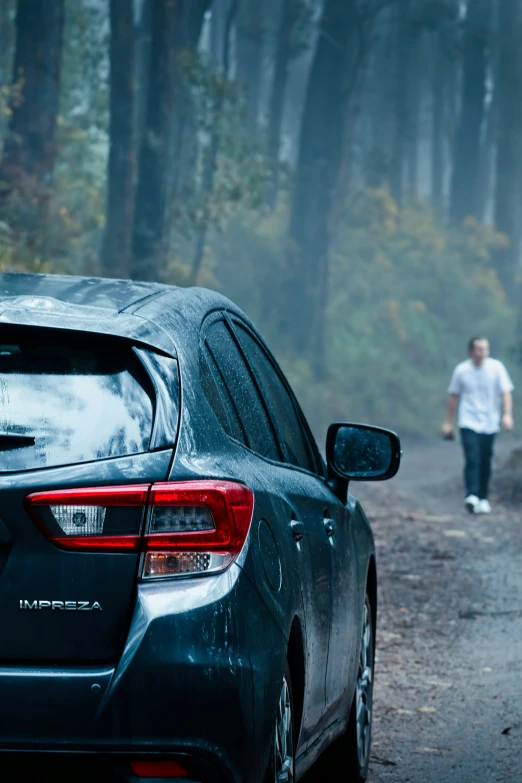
{"x": 199, "y": 676}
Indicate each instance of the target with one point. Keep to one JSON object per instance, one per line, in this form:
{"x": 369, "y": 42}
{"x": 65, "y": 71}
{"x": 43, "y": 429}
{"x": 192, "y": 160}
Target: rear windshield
{"x": 63, "y": 402}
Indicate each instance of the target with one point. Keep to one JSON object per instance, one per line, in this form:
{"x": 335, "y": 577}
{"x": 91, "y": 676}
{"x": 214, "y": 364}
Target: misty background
{"x": 348, "y": 171}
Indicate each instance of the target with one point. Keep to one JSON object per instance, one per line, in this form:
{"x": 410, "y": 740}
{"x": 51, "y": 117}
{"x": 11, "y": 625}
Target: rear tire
{"x": 348, "y": 758}
{"x": 281, "y": 767}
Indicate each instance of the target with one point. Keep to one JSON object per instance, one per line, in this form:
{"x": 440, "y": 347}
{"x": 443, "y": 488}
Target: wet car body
{"x": 184, "y": 668}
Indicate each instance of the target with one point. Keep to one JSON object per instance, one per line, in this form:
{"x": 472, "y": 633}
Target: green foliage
{"x": 405, "y": 296}
{"x": 60, "y": 230}
{"x": 226, "y": 172}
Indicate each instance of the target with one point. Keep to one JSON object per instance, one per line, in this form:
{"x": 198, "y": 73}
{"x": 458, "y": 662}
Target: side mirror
{"x": 362, "y": 452}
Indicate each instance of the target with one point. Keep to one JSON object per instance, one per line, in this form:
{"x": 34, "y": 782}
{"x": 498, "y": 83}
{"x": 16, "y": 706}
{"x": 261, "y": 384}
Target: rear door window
{"x": 217, "y": 394}
{"x": 243, "y": 393}
{"x": 69, "y": 401}
{"x": 297, "y": 446}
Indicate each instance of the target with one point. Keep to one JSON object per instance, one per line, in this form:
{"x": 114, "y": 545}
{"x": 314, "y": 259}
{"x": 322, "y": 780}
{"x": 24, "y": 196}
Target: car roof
{"x": 114, "y": 295}
{"x": 123, "y": 308}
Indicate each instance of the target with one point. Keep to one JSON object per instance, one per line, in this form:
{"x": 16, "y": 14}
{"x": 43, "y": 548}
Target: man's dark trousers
{"x": 478, "y": 455}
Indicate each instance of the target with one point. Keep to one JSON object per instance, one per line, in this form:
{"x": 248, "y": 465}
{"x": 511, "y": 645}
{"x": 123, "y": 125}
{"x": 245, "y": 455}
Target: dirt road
{"x": 448, "y": 700}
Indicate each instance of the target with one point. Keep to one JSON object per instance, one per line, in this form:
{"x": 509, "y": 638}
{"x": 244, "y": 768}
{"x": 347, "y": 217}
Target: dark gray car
{"x": 186, "y": 589}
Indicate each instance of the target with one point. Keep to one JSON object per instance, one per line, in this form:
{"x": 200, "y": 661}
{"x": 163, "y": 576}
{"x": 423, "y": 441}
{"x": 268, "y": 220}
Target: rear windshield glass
{"x": 70, "y": 401}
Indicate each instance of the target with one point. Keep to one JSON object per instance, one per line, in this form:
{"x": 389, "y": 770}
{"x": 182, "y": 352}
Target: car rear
{"x": 110, "y": 654}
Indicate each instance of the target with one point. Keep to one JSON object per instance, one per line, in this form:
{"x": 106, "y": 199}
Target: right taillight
{"x": 182, "y": 528}
{"x": 195, "y": 527}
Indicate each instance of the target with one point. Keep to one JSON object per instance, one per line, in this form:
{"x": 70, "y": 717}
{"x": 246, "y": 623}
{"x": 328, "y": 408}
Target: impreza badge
{"x": 75, "y": 606}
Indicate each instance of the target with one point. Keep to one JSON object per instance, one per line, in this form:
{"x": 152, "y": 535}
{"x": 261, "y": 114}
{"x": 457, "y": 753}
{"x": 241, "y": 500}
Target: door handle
{"x": 330, "y": 527}
{"x": 298, "y": 529}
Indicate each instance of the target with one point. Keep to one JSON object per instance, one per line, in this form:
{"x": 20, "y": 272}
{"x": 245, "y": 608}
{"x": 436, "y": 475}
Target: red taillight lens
{"x": 158, "y": 769}
{"x": 191, "y": 527}
{"x": 222, "y": 524}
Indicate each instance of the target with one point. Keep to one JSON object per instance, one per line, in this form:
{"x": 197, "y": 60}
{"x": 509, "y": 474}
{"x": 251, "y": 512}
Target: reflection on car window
{"x": 279, "y": 401}
{"x": 219, "y": 398}
{"x": 242, "y": 391}
{"x": 78, "y": 403}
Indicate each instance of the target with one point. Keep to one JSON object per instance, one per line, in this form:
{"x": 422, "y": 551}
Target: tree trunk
{"x": 7, "y": 41}
{"x": 283, "y": 54}
{"x": 217, "y": 30}
{"x": 7, "y": 46}
{"x": 438, "y": 117}
{"x": 153, "y": 177}
{"x": 142, "y": 48}
{"x": 486, "y": 176}
{"x": 249, "y": 54}
{"x": 379, "y": 109}
{"x": 117, "y": 245}
{"x": 209, "y": 169}
{"x": 405, "y": 117}
{"x": 508, "y": 213}
{"x": 184, "y": 132}
{"x": 414, "y": 98}
{"x": 319, "y": 160}
{"x": 29, "y": 150}
{"x": 467, "y": 152}
{"x": 175, "y": 26}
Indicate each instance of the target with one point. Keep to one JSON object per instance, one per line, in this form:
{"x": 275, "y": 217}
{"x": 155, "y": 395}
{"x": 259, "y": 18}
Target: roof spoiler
{"x": 50, "y": 313}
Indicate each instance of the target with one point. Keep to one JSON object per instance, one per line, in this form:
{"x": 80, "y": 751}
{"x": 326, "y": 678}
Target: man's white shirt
{"x": 480, "y": 390}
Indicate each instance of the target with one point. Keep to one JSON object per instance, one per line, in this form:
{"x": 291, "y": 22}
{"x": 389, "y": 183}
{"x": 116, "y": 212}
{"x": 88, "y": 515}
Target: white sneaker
{"x": 472, "y": 503}
{"x": 483, "y": 507}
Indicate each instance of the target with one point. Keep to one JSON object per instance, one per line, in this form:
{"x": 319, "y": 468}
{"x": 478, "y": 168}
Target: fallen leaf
{"x": 385, "y": 762}
{"x": 427, "y": 709}
{"x": 455, "y": 533}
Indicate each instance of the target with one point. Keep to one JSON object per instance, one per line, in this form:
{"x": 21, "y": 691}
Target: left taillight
{"x": 181, "y": 528}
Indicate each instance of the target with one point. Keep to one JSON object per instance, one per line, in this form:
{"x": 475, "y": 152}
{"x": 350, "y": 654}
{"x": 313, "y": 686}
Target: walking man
{"x": 482, "y": 390}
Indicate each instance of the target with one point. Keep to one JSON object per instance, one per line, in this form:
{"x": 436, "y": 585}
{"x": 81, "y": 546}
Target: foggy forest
{"x": 348, "y": 171}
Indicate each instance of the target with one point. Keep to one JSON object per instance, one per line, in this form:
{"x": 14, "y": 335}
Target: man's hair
{"x": 471, "y": 343}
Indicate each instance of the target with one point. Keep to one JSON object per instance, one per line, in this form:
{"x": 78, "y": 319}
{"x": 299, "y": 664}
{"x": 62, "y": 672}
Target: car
{"x": 187, "y": 588}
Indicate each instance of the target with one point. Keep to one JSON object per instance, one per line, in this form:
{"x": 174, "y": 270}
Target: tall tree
{"x": 415, "y": 104}
{"x": 7, "y": 38}
{"x": 439, "y": 98}
{"x": 175, "y": 27}
{"x": 29, "y": 151}
{"x": 407, "y": 39}
{"x": 209, "y": 167}
{"x": 403, "y": 44}
{"x": 250, "y": 33}
{"x": 320, "y": 154}
{"x": 117, "y": 245}
{"x": 7, "y": 11}
{"x": 378, "y": 108}
{"x": 467, "y": 153}
{"x": 219, "y": 10}
{"x": 485, "y": 186}
{"x": 142, "y": 44}
{"x": 508, "y": 212}
{"x": 291, "y": 38}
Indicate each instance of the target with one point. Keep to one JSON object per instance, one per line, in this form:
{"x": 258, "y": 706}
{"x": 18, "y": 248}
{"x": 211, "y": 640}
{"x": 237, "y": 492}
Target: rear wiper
{"x": 13, "y": 440}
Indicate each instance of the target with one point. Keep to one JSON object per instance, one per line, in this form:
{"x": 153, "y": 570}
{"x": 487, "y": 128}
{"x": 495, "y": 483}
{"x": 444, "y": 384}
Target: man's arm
{"x": 507, "y": 408}
{"x": 447, "y": 427}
